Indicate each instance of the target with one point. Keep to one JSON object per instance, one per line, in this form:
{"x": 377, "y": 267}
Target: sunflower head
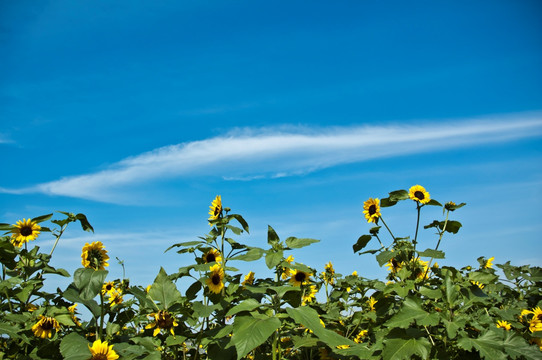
{"x": 215, "y": 281}
{"x": 393, "y": 265}
{"x": 249, "y": 279}
{"x": 212, "y": 255}
{"x": 360, "y": 336}
{"x": 371, "y": 303}
{"x": 419, "y": 194}
{"x": 299, "y": 277}
{"x": 24, "y": 231}
{"x": 329, "y": 273}
{"x": 102, "y": 351}
{"x": 94, "y": 256}
{"x": 162, "y": 320}
{"x": 45, "y": 326}
{"x": 108, "y": 287}
{"x": 115, "y": 297}
{"x": 309, "y": 295}
{"x": 371, "y": 209}
{"x": 489, "y": 263}
{"x": 504, "y": 325}
{"x": 215, "y": 210}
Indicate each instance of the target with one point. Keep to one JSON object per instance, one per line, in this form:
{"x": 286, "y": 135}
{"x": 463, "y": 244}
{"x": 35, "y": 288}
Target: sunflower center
{"x": 217, "y": 210}
{"x": 108, "y": 287}
{"x": 99, "y": 357}
{"x": 165, "y": 321}
{"x": 47, "y": 325}
{"x": 300, "y": 276}
{"x": 26, "y": 231}
{"x": 419, "y": 195}
{"x": 95, "y": 258}
{"x": 372, "y": 209}
{"x": 215, "y": 279}
{"x": 539, "y": 317}
{"x": 210, "y": 257}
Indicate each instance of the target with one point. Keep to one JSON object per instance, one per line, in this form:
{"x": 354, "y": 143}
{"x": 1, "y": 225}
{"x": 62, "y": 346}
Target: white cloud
{"x": 276, "y": 152}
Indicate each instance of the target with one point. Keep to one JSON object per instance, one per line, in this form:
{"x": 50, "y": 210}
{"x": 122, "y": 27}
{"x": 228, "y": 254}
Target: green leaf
{"x": 412, "y": 311}
{"x": 295, "y": 243}
{"x": 250, "y": 332}
{"x": 204, "y": 310}
{"x": 451, "y": 290}
{"x": 84, "y": 222}
{"x": 433, "y": 202}
{"x": 398, "y": 348}
{"x": 435, "y": 254}
{"x": 72, "y": 294}
{"x": 489, "y": 345}
{"x": 482, "y": 277}
{"x": 361, "y": 243}
{"x": 246, "y": 305}
{"x": 164, "y": 290}
{"x": 89, "y": 282}
{"x": 74, "y": 347}
{"x": 516, "y": 347}
{"x": 273, "y": 258}
{"x": 241, "y": 221}
{"x": 386, "y": 202}
{"x": 398, "y": 195}
{"x": 452, "y": 226}
{"x": 42, "y": 218}
{"x": 384, "y": 257}
{"x": 272, "y": 237}
{"x": 251, "y": 255}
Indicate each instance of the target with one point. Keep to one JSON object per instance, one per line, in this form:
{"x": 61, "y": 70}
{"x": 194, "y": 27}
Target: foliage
{"x": 422, "y": 310}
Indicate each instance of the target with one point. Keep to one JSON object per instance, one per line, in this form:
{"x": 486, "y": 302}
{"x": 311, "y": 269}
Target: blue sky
{"x": 139, "y": 113}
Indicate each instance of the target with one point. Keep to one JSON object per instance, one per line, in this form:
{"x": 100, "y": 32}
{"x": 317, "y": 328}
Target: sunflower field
{"x": 420, "y": 311}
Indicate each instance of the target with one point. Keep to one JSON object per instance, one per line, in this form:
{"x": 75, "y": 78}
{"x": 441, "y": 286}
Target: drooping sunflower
{"x": 45, "y": 326}
{"x": 212, "y": 256}
{"x": 286, "y": 272}
{"x": 419, "y": 194}
{"x": 504, "y": 325}
{"x": 421, "y": 268}
{"x": 329, "y": 273}
{"x": 249, "y": 279}
{"x": 162, "y": 320}
{"x": 94, "y": 256}
{"x": 215, "y": 210}
{"x": 24, "y": 231}
{"x": 102, "y": 351}
{"x": 371, "y": 209}
{"x": 299, "y": 277}
{"x": 215, "y": 281}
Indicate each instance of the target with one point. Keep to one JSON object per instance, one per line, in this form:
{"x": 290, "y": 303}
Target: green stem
{"x": 415, "y": 242}
{"x": 441, "y": 234}
{"x": 383, "y": 222}
{"x": 62, "y": 228}
{"x": 102, "y": 315}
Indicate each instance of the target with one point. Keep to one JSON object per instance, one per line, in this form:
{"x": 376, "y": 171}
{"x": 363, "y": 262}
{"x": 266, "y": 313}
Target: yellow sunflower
{"x": 108, "y": 287}
{"x": 394, "y": 265}
{"x": 419, "y": 194}
{"x": 215, "y": 210}
{"x": 212, "y": 256}
{"x": 115, "y": 297}
{"x": 489, "y": 263}
{"x": 215, "y": 281}
{"x": 371, "y": 209}
{"x": 45, "y": 326}
{"x": 94, "y": 256}
{"x": 24, "y": 231}
{"x": 535, "y": 324}
{"x": 249, "y": 278}
{"x": 286, "y": 272}
{"x": 309, "y": 295}
{"x": 371, "y": 302}
{"x": 360, "y": 336}
{"x": 102, "y": 351}
{"x": 71, "y": 309}
{"x": 504, "y": 325}
{"x": 421, "y": 268}
{"x": 477, "y": 283}
{"x": 299, "y": 277}
{"x": 162, "y": 320}
{"x": 329, "y": 273}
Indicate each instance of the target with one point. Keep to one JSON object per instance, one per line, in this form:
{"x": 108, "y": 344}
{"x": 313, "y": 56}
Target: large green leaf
{"x": 74, "y": 347}
{"x": 361, "y": 243}
{"x": 250, "y": 332}
{"x": 435, "y": 254}
{"x": 164, "y": 290}
{"x": 272, "y": 237}
{"x": 399, "y": 348}
{"x": 251, "y": 255}
{"x": 273, "y": 258}
{"x": 412, "y": 311}
{"x": 295, "y": 243}
{"x": 247, "y": 305}
{"x": 516, "y": 347}
{"x": 89, "y": 282}
{"x": 489, "y": 345}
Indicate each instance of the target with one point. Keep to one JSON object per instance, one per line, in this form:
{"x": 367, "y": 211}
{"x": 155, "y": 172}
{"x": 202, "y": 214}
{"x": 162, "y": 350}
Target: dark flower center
{"x": 99, "y": 357}
{"x": 215, "y": 279}
{"x": 95, "y": 258}
{"x": 539, "y": 317}
{"x": 164, "y": 321}
{"x": 26, "y": 231}
{"x": 300, "y": 276}
{"x": 217, "y": 210}
{"x": 372, "y": 209}
{"x": 419, "y": 195}
{"x": 394, "y": 263}
{"x": 210, "y": 257}
{"x": 47, "y": 325}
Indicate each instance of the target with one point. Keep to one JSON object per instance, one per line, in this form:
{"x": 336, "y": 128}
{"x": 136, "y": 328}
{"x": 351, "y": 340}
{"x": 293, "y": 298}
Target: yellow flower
{"x": 309, "y": 295}
{"x": 393, "y": 265}
{"x": 94, "y": 256}
{"x": 299, "y": 277}
{"x": 45, "y": 326}
{"x": 115, "y": 297}
{"x": 329, "y": 273}
{"x": 71, "y": 309}
{"x": 421, "y": 268}
{"x": 215, "y": 210}
{"x": 481, "y": 286}
{"x": 504, "y": 325}
{"x": 340, "y": 347}
{"x": 148, "y": 288}
{"x": 102, "y": 351}
{"x": 286, "y": 272}
{"x": 537, "y": 341}
{"x": 371, "y": 209}
{"x": 355, "y": 273}
{"x": 535, "y": 324}
{"x": 371, "y": 302}
{"x": 24, "y": 231}
{"x": 489, "y": 263}
{"x": 108, "y": 287}
{"x": 419, "y": 194}
{"x": 212, "y": 255}
{"x": 162, "y": 320}
{"x": 360, "y": 335}
{"x": 31, "y": 308}
{"x": 249, "y": 278}
{"x": 215, "y": 279}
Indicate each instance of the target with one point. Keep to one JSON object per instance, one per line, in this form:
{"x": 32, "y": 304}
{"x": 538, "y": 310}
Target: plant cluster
{"x": 421, "y": 310}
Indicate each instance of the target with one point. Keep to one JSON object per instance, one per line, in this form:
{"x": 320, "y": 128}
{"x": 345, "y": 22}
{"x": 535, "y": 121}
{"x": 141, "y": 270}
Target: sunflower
{"x": 249, "y": 279}
{"x": 394, "y": 265}
{"x": 94, "y": 256}
{"x": 71, "y": 309}
{"x": 24, "y": 231}
{"x": 44, "y": 327}
{"x": 329, "y": 273}
{"x": 419, "y": 194}
{"x": 489, "y": 263}
{"x": 102, "y": 351}
{"x": 162, "y": 320}
{"x": 477, "y": 283}
{"x": 215, "y": 210}
{"x": 360, "y": 335}
{"x": 371, "y": 302}
{"x": 215, "y": 279}
{"x": 299, "y": 277}
{"x": 286, "y": 272}
{"x": 371, "y": 209}
{"x": 504, "y": 325}
{"x": 421, "y": 268}
{"x": 212, "y": 255}
{"x": 115, "y": 297}
{"x": 108, "y": 287}
{"x": 535, "y": 324}
{"x": 309, "y": 295}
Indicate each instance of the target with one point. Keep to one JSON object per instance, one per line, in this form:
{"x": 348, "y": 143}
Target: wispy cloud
{"x": 246, "y": 154}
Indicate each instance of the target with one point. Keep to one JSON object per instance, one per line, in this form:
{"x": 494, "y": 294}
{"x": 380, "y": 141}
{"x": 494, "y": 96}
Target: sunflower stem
{"x": 62, "y": 229}
{"x": 415, "y": 242}
{"x": 383, "y": 222}
{"x": 100, "y": 328}
{"x": 441, "y": 234}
